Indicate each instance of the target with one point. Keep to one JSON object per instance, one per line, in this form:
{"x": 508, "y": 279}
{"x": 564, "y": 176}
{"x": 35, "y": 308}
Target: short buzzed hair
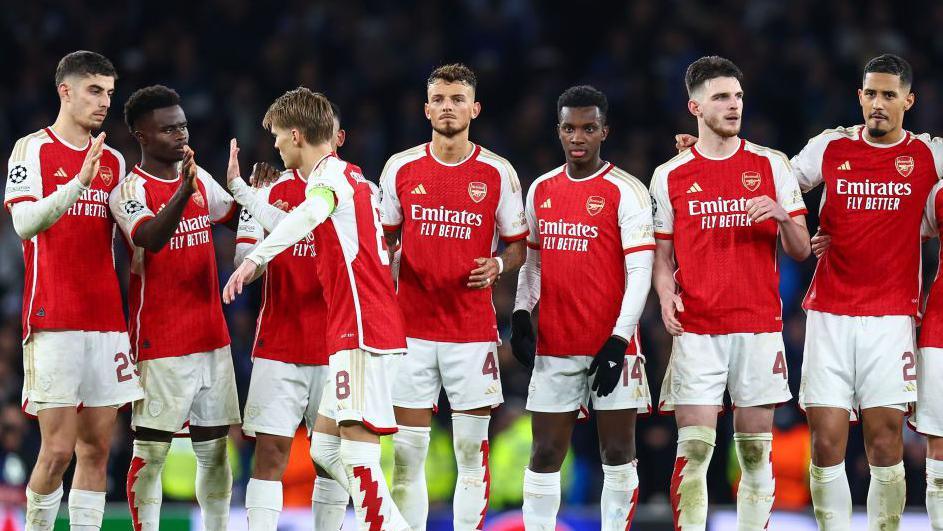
{"x": 304, "y": 110}
{"x": 146, "y": 100}
{"x": 455, "y": 72}
{"x": 584, "y": 96}
{"x": 708, "y": 68}
{"x": 84, "y": 63}
{"x": 891, "y": 64}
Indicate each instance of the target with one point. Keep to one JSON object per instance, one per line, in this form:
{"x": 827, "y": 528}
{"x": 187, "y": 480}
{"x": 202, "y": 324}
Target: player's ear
{"x": 909, "y": 100}
{"x": 605, "y": 132}
{"x": 694, "y": 107}
{"x": 64, "y": 91}
{"x": 340, "y": 138}
{"x": 296, "y": 137}
{"x": 425, "y": 108}
{"x": 476, "y": 110}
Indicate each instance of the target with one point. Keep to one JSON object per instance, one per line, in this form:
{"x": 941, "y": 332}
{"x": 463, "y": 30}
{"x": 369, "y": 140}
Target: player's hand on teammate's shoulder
{"x": 92, "y": 161}
{"x": 607, "y": 365}
{"x": 239, "y": 278}
{"x": 820, "y": 243}
{"x": 670, "y": 306}
{"x": 484, "y": 275}
{"x": 523, "y": 340}
{"x": 684, "y": 141}
{"x": 282, "y": 205}
{"x": 263, "y": 174}
{"x": 763, "y": 207}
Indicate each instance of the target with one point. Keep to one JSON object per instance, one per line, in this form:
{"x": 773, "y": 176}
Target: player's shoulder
{"x": 661, "y": 172}
{"x": 547, "y": 179}
{"x": 26, "y": 143}
{"x": 775, "y": 156}
{"x": 499, "y": 163}
{"x": 398, "y": 160}
{"x": 114, "y": 153}
{"x": 828, "y": 136}
{"x": 935, "y": 143}
{"x": 128, "y": 186}
{"x": 628, "y": 185}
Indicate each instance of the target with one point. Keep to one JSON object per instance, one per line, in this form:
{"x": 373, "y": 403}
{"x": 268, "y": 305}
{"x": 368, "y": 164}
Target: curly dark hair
{"x": 584, "y": 96}
{"x": 452, "y": 73}
{"x": 146, "y": 100}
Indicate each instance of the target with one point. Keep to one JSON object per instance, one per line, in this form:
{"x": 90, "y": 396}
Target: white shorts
{"x": 469, "y": 372}
{"x": 857, "y": 363}
{"x": 928, "y": 416}
{"x": 70, "y": 368}
{"x": 359, "y": 390}
{"x": 560, "y": 384}
{"x": 281, "y": 395}
{"x": 751, "y": 367}
{"x": 199, "y": 388}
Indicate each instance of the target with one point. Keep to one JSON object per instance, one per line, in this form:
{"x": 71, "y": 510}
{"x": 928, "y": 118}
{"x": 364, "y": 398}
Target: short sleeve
{"x": 511, "y": 223}
{"x": 128, "y": 203}
{"x": 530, "y": 216}
{"x": 24, "y": 180}
{"x": 788, "y": 194}
{"x": 218, "y": 201}
{"x": 807, "y": 165}
{"x": 636, "y": 225}
{"x": 929, "y": 226}
{"x": 391, "y": 211}
{"x": 662, "y": 212}
{"x": 330, "y": 174}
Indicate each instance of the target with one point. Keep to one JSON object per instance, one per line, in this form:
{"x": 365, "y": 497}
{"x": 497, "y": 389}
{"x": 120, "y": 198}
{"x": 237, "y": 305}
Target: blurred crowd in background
{"x": 229, "y": 59}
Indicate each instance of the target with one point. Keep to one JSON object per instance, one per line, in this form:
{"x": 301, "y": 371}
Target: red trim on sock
{"x": 371, "y": 499}
{"x": 136, "y": 465}
{"x": 628, "y": 519}
{"x": 676, "y": 478}
{"x": 485, "y": 450}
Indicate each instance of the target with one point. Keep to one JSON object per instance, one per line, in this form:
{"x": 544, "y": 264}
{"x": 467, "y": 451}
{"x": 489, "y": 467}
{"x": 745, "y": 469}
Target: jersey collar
{"x": 67, "y": 144}
{"x": 600, "y": 172}
{"x": 137, "y": 169}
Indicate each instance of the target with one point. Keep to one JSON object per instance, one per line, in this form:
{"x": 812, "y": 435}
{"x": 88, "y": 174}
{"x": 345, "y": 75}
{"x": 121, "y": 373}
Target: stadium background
{"x": 229, "y": 58}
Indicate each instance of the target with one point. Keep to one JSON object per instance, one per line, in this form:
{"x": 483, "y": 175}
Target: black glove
{"x": 608, "y": 365}
{"x": 523, "y": 341}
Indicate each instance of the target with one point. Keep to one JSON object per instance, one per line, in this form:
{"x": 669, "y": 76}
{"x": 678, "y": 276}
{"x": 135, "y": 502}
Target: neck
{"x": 67, "y": 129}
{"x": 581, "y": 170}
{"x": 713, "y": 145}
{"x": 891, "y": 137}
{"x": 165, "y": 169}
{"x": 311, "y": 156}
{"x": 453, "y": 149}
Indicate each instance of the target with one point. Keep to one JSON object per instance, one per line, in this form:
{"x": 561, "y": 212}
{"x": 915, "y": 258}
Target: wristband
{"x": 500, "y": 264}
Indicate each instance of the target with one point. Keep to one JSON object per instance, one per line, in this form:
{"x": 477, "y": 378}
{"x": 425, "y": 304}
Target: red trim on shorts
{"x": 630, "y": 250}
{"x": 28, "y": 415}
{"x": 379, "y": 430}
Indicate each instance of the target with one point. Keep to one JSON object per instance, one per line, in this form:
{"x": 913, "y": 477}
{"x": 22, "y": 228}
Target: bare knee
{"x": 885, "y": 448}
{"x": 54, "y": 458}
{"x": 546, "y": 456}
{"x": 271, "y": 458}
{"x": 613, "y": 453}
{"x": 93, "y": 453}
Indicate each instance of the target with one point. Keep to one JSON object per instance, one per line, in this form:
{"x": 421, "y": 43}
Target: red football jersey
{"x": 70, "y": 281}
{"x": 450, "y": 214}
{"x": 931, "y": 328}
{"x": 727, "y": 273}
{"x": 174, "y": 294}
{"x": 872, "y": 205}
{"x": 583, "y": 229}
{"x": 354, "y": 265}
{"x": 291, "y": 324}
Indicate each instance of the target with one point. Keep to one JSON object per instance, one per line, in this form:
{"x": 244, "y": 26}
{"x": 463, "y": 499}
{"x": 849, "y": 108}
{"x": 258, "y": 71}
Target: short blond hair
{"x": 304, "y": 110}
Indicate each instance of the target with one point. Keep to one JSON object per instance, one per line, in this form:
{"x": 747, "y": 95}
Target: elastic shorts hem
{"x": 641, "y": 408}
{"x": 775, "y": 402}
{"x": 252, "y": 430}
{"x": 413, "y": 405}
{"x": 476, "y": 405}
{"x": 565, "y": 408}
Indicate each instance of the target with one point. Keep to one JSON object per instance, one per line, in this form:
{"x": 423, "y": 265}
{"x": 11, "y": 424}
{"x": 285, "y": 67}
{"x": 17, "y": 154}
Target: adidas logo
{"x": 845, "y": 166}
{"x": 420, "y": 190}
{"x": 545, "y": 204}
{"x": 60, "y": 173}
{"x": 695, "y": 188}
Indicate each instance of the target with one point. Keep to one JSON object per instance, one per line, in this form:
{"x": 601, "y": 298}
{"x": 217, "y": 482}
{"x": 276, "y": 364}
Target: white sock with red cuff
{"x": 263, "y": 504}
{"x": 213, "y": 482}
{"x": 689, "y": 479}
{"x": 86, "y": 509}
{"x": 473, "y": 485}
{"x": 619, "y": 496}
{"x": 329, "y": 504}
{"x": 41, "y": 509}
{"x": 757, "y": 485}
{"x": 541, "y": 500}
{"x": 410, "y": 446}
{"x": 144, "y": 487}
{"x": 372, "y": 502}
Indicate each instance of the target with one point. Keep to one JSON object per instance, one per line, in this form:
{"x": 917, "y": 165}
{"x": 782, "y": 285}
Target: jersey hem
{"x": 846, "y": 313}
{"x": 271, "y": 357}
{"x": 707, "y": 331}
{"x": 201, "y": 350}
{"x": 452, "y": 339}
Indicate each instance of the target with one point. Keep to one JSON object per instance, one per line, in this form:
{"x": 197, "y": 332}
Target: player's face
{"x": 883, "y": 101}
{"x": 87, "y": 98}
{"x": 581, "y": 132}
{"x": 163, "y": 133}
{"x": 719, "y": 102}
{"x": 287, "y": 143}
{"x": 451, "y": 107}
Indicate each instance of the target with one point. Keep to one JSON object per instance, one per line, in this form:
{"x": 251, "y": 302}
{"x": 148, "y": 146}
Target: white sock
{"x": 541, "y": 500}
{"x": 689, "y": 479}
{"x": 41, "y": 509}
{"x": 326, "y": 452}
{"x": 757, "y": 484}
{"x": 935, "y": 493}
{"x": 144, "y": 489}
{"x": 473, "y": 484}
{"x": 619, "y": 496}
{"x": 831, "y": 497}
{"x": 410, "y": 446}
{"x": 86, "y": 509}
{"x": 329, "y": 504}
{"x": 886, "y": 496}
{"x": 213, "y": 483}
{"x": 372, "y": 502}
{"x": 263, "y": 504}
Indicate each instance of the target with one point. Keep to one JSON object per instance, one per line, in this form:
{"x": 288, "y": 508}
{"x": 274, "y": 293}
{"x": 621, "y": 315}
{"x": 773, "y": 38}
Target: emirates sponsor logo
{"x": 477, "y": 191}
{"x": 445, "y": 215}
{"x": 595, "y": 204}
{"x": 869, "y": 195}
{"x": 106, "y": 175}
{"x": 904, "y": 165}
{"x": 751, "y": 180}
{"x": 565, "y": 228}
{"x": 721, "y": 213}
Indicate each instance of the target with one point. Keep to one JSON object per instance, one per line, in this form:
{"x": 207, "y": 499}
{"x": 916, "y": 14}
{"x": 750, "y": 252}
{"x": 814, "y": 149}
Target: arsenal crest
{"x": 106, "y": 175}
{"x": 751, "y": 180}
{"x": 198, "y": 199}
{"x": 904, "y": 165}
{"x": 595, "y": 204}
{"x": 477, "y": 191}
